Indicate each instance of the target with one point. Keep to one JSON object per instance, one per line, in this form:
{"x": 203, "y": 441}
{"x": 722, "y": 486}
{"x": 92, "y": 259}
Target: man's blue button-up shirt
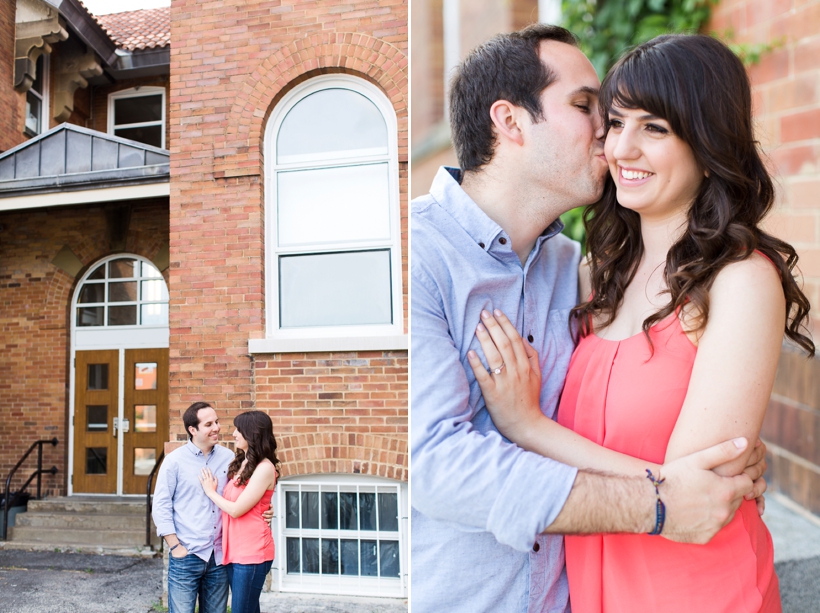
{"x": 479, "y": 502}
{"x": 180, "y": 504}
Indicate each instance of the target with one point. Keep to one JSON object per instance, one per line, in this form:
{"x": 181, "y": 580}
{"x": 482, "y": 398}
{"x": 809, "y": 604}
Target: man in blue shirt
{"x": 526, "y": 128}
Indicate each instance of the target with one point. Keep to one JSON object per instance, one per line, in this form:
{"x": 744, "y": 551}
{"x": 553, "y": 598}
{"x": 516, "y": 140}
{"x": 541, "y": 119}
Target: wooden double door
{"x": 120, "y": 419}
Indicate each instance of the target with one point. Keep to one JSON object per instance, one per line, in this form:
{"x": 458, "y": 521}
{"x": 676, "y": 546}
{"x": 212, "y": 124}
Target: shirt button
{"x": 502, "y": 240}
{"x": 481, "y": 245}
{"x": 530, "y": 338}
{"x": 536, "y": 547}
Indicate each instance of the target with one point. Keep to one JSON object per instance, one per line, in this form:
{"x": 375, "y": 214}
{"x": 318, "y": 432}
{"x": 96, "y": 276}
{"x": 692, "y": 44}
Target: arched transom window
{"x": 123, "y": 291}
{"x": 334, "y": 263}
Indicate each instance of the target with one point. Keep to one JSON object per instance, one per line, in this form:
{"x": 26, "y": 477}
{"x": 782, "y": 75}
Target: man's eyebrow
{"x": 586, "y": 89}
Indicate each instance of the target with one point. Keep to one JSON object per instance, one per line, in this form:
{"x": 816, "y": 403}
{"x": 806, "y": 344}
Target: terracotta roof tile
{"x": 145, "y": 29}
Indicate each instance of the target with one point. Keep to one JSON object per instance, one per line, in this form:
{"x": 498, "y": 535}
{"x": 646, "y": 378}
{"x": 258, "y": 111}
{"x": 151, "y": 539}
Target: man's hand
{"x": 755, "y": 468}
{"x": 268, "y": 515}
{"x": 179, "y": 552}
{"x": 698, "y": 501}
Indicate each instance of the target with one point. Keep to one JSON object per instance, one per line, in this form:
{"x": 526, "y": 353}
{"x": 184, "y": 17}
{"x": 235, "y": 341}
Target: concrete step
{"x": 130, "y": 551}
{"x": 77, "y": 521}
{"x": 88, "y": 506}
{"x": 74, "y": 537}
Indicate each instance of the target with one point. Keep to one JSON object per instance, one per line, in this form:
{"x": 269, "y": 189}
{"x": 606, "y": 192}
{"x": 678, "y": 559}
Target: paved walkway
{"x": 51, "y": 582}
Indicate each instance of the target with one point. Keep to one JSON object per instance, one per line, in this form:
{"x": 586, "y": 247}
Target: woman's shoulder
{"x": 755, "y": 276}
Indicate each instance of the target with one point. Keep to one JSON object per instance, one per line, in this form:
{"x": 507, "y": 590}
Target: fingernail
{"x": 485, "y": 314}
{"x": 481, "y": 328}
{"x": 740, "y": 443}
{"x": 497, "y": 313}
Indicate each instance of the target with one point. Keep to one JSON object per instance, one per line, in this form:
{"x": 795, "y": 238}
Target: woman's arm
{"x": 262, "y": 479}
{"x": 734, "y": 370}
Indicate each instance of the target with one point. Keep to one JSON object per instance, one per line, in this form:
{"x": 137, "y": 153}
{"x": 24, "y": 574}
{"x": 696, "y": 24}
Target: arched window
{"x": 333, "y": 238}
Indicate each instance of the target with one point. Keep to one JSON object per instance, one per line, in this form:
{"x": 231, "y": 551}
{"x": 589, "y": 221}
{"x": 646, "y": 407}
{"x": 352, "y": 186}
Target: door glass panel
{"x": 122, "y": 292}
{"x": 144, "y": 460}
{"x": 329, "y": 511}
{"x": 90, "y": 316}
{"x": 96, "y": 460}
{"x": 310, "y": 556}
{"x": 330, "y": 557}
{"x": 92, "y": 292}
{"x": 335, "y": 289}
{"x": 389, "y": 558}
{"x": 145, "y": 418}
{"x": 292, "y": 510}
{"x": 310, "y": 510}
{"x": 122, "y": 315}
{"x": 350, "y": 557}
{"x": 388, "y": 512}
{"x": 370, "y": 560}
{"x": 98, "y": 376}
{"x": 349, "y": 512}
{"x": 122, "y": 269}
{"x": 293, "y": 555}
{"x": 154, "y": 314}
{"x": 145, "y": 377}
{"x": 367, "y": 508}
{"x": 96, "y": 417}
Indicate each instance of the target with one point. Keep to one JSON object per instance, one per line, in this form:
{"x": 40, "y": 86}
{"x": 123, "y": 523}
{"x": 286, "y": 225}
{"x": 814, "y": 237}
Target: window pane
{"x": 138, "y": 109}
{"x": 334, "y": 289}
{"x": 145, "y": 418}
{"x": 349, "y": 511}
{"x": 122, "y": 292}
{"x": 154, "y": 314}
{"x": 33, "y": 112}
{"x": 331, "y": 122}
{"x": 370, "y": 560}
{"x": 122, "y": 315}
{"x": 389, "y": 558}
{"x": 388, "y": 512}
{"x": 96, "y": 417}
{"x": 122, "y": 269}
{"x": 293, "y": 553}
{"x": 292, "y": 510}
{"x": 149, "y": 270}
{"x": 99, "y": 272}
{"x": 144, "y": 460}
{"x": 367, "y": 509}
{"x": 90, "y": 316}
{"x": 351, "y": 203}
{"x": 39, "y": 74}
{"x": 350, "y": 557}
{"x": 92, "y": 292}
{"x": 96, "y": 460}
{"x": 149, "y": 135}
{"x": 98, "y": 376}
{"x": 330, "y": 557}
{"x": 145, "y": 376}
{"x": 310, "y": 510}
{"x": 329, "y": 511}
{"x": 153, "y": 291}
{"x": 310, "y": 556}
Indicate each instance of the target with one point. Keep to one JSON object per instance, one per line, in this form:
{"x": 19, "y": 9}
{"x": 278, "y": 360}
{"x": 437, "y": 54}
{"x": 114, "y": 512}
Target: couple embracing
{"x": 615, "y": 399}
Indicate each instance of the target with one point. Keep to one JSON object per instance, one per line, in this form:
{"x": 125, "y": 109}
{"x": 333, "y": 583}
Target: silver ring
{"x": 497, "y": 371}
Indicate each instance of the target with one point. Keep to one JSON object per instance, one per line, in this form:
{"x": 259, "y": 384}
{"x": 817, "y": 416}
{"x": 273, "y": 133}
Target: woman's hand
{"x": 208, "y": 481}
{"x": 511, "y": 394}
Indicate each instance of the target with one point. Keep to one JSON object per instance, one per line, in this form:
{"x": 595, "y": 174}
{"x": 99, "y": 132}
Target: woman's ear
{"x": 506, "y": 118}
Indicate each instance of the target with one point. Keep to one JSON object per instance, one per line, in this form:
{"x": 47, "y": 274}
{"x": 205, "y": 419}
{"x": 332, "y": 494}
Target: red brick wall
{"x": 35, "y": 298}
{"x": 230, "y": 63}
{"x": 11, "y": 130}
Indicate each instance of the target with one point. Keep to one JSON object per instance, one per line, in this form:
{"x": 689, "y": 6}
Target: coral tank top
{"x": 622, "y": 397}
{"x": 246, "y": 539}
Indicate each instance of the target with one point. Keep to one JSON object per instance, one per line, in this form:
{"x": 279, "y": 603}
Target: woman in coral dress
{"x": 247, "y": 542}
{"x": 687, "y": 304}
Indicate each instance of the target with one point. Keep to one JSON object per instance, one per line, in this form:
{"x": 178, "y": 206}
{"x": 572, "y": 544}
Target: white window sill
{"x": 350, "y": 343}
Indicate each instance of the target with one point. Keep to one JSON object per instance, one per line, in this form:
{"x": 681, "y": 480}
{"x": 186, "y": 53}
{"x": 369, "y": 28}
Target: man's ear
{"x": 506, "y": 118}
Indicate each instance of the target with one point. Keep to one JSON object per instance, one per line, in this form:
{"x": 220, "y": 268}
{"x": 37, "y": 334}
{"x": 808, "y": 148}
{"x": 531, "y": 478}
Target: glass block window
{"x": 138, "y": 114}
{"x": 334, "y": 263}
{"x": 341, "y": 534}
{"x": 125, "y": 291}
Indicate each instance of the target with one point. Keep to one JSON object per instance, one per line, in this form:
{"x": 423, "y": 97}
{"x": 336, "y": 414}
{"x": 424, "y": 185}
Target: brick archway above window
{"x": 343, "y": 452}
{"x": 240, "y": 153}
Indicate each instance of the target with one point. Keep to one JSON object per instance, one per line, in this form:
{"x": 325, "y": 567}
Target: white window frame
{"x": 44, "y": 97}
{"x": 331, "y": 338}
{"x": 137, "y": 92}
{"x": 339, "y": 584}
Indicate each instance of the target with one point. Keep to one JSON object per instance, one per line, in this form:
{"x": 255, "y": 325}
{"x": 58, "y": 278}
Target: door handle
{"x": 125, "y": 425}
{"x": 116, "y": 425}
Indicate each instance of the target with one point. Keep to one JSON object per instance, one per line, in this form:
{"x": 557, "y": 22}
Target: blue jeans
{"x": 247, "y": 581}
{"x": 190, "y": 577}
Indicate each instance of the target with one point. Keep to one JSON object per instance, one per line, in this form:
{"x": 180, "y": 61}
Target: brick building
{"x": 208, "y": 202}
{"x": 786, "y": 89}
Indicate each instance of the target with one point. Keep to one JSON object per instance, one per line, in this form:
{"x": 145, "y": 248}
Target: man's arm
{"x": 162, "y": 509}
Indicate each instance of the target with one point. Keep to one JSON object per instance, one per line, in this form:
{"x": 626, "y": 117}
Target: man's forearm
{"x": 602, "y": 502}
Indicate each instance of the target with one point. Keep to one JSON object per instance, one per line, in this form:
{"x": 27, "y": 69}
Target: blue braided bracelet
{"x": 660, "y": 508}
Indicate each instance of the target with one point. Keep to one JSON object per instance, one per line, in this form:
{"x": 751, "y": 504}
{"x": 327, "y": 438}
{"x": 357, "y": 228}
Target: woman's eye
{"x": 651, "y": 127}
{"x": 614, "y": 123}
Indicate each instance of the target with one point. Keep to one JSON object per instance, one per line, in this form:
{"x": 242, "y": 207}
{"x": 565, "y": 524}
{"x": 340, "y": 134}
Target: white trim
{"x": 549, "y": 11}
{"x": 137, "y": 92}
{"x": 331, "y": 338}
{"x": 87, "y": 196}
{"x": 452, "y": 45}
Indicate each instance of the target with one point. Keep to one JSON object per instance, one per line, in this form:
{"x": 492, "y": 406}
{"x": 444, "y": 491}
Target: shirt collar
{"x": 196, "y": 450}
{"x": 447, "y": 191}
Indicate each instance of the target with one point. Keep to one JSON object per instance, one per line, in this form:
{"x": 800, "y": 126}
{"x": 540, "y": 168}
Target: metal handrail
{"x": 38, "y": 473}
{"x": 148, "y": 502}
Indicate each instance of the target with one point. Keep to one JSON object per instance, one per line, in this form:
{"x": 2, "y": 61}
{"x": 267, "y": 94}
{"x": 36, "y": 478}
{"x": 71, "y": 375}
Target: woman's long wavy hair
{"x": 701, "y": 88}
{"x": 257, "y": 429}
